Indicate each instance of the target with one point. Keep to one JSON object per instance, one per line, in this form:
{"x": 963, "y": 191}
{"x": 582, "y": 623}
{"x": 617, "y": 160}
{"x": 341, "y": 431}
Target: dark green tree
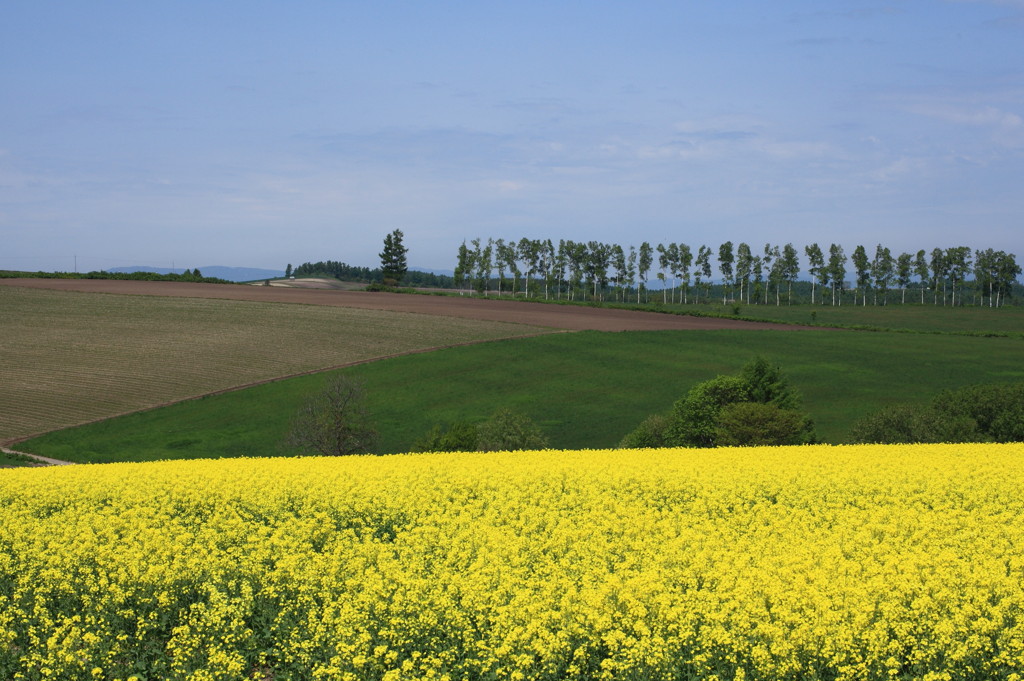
{"x": 1006, "y": 273}
{"x": 904, "y": 273}
{"x": 753, "y": 424}
{"x": 837, "y": 270}
{"x": 618, "y": 261}
{"x": 882, "y": 273}
{"x": 702, "y": 271}
{"x": 683, "y": 269}
{"x": 940, "y": 268}
{"x": 862, "y": 265}
{"x": 958, "y": 266}
{"x": 726, "y": 259}
{"x": 464, "y": 266}
{"x": 744, "y": 268}
{"x": 978, "y": 413}
{"x": 664, "y": 262}
{"x": 921, "y": 270}
{"x": 992, "y": 407}
{"x": 695, "y": 416}
{"x": 705, "y": 416}
{"x": 790, "y": 269}
{"x": 507, "y": 431}
{"x": 393, "y": 258}
{"x": 645, "y": 258}
{"x": 766, "y": 384}
{"x": 907, "y": 424}
{"x": 815, "y": 265}
{"x": 459, "y": 437}
{"x": 651, "y": 433}
{"x": 483, "y": 256}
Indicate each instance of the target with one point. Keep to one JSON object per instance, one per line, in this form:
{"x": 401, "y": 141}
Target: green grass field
{"x": 13, "y": 460}
{"x": 67, "y": 358}
{"x": 585, "y": 389}
{"x": 911, "y": 317}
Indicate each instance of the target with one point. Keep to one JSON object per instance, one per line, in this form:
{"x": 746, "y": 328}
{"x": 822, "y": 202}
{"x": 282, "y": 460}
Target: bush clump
{"x": 756, "y": 407}
{"x": 506, "y": 430}
{"x": 978, "y": 413}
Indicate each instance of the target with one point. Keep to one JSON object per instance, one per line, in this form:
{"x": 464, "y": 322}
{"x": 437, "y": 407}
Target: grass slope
{"x": 71, "y": 357}
{"x": 926, "y": 318}
{"x": 585, "y": 389}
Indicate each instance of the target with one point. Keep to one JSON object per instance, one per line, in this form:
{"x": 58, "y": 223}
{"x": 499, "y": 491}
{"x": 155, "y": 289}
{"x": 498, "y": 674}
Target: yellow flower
{"x": 862, "y": 561}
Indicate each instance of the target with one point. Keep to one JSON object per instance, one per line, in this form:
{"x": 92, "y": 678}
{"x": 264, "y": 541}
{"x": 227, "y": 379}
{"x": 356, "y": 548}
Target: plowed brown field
{"x": 568, "y": 317}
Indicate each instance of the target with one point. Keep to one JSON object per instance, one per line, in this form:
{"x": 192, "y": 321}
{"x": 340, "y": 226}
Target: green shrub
{"x": 694, "y": 417}
{"x": 751, "y": 424}
{"x": 508, "y": 430}
{"x": 697, "y": 418}
{"x": 459, "y": 437}
{"x": 978, "y": 413}
{"x": 767, "y": 385}
{"x": 907, "y": 424}
{"x": 505, "y": 430}
{"x": 651, "y": 433}
{"x": 996, "y": 408}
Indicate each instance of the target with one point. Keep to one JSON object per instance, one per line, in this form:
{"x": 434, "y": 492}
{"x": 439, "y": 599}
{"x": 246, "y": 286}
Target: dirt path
{"x": 43, "y": 460}
{"x": 568, "y": 317}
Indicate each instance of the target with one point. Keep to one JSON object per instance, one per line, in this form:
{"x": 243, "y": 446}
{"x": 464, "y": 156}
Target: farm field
{"x": 928, "y": 318}
{"x": 790, "y": 563}
{"x": 567, "y": 317}
{"x": 585, "y": 389}
{"x": 70, "y": 357}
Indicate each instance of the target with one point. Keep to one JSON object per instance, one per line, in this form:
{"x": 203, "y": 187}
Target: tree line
{"x": 367, "y": 275}
{"x": 188, "y": 275}
{"x": 598, "y": 271}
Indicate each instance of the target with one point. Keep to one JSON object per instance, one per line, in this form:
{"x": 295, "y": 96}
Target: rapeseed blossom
{"x": 858, "y": 562}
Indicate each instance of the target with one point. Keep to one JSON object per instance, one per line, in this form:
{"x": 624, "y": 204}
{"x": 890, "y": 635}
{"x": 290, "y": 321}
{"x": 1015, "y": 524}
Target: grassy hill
{"x": 585, "y": 389}
{"x": 911, "y": 317}
{"x": 71, "y": 358}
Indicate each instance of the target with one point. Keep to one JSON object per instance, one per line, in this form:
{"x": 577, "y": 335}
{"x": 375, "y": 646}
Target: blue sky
{"x": 266, "y": 133}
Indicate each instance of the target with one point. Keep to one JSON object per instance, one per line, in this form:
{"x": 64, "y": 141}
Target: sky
{"x": 257, "y": 134}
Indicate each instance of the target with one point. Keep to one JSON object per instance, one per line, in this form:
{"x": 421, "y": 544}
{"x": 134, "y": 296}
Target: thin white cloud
{"x": 796, "y": 149}
{"x": 897, "y": 170}
{"x": 1006, "y": 128}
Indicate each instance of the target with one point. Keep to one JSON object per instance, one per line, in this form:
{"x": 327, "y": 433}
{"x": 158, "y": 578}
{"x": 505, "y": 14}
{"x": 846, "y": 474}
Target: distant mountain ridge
{"x": 219, "y": 271}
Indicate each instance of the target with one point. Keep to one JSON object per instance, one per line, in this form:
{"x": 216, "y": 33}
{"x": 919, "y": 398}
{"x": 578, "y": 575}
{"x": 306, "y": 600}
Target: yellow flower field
{"x": 857, "y": 562}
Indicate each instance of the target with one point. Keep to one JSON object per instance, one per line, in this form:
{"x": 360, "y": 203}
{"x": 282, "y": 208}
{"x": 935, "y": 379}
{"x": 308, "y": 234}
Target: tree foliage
{"x": 752, "y": 424}
{"x": 600, "y": 271}
{"x": 393, "y": 262}
{"x": 906, "y": 424}
{"x": 458, "y": 437}
{"x": 766, "y": 384}
{"x": 509, "y": 430}
{"x": 979, "y": 413}
{"x": 695, "y": 416}
{"x": 650, "y": 434}
{"x": 710, "y": 415}
{"x": 367, "y": 275}
{"x": 506, "y": 430}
